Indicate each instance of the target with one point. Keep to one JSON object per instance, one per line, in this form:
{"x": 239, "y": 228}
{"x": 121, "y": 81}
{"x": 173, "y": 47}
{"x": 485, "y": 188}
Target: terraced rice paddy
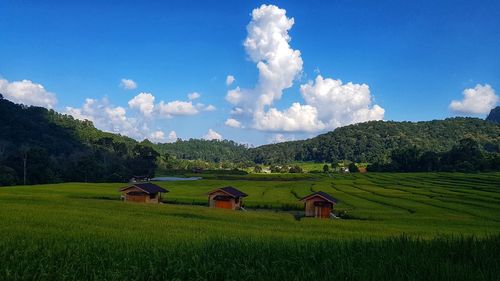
{"x": 421, "y": 226}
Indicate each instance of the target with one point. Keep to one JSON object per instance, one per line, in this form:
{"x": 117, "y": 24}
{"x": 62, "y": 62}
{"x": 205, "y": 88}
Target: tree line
{"x": 466, "y": 156}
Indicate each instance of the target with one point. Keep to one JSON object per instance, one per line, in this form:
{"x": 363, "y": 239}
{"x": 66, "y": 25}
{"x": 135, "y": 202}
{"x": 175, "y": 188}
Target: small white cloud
{"x": 233, "y": 123}
{"x": 128, "y": 84}
{"x": 210, "y": 108}
{"x": 229, "y": 80}
{"x": 144, "y": 102}
{"x": 212, "y": 135}
{"x": 172, "y": 137}
{"x": 28, "y": 93}
{"x": 157, "y": 136}
{"x": 277, "y": 138}
{"x": 235, "y": 96}
{"x": 193, "y": 96}
{"x": 478, "y": 100}
{"x": 176, "y": 108}
{"x": 237, "y": 111}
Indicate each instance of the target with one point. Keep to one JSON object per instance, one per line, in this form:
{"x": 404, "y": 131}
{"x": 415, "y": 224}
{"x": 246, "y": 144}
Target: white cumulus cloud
{"x": 233, "y": 123}
{"x": 328, "y": 103}
{"x": 212, "y": 135}
{"x": 478, "y": 100}
{"x": 144, "y": 102}
{"x": 294, "y": 119}
{"x": 128, "y": 84}
{"x": 229, "y": 80}
{"x": 28, "y": 93}
{"x": 340, "y": 104}
{"x": 267, "y": 44}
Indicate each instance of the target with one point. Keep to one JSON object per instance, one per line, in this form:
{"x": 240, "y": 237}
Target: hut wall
{"x": 135, "y": 198}
{"x": 154, "y": 199}
{"x": 237, "y": 203}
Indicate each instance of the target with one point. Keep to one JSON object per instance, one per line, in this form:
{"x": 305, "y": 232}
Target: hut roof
{"x": 231, "y": 191}
{"x": 322, "y": 194}
{"x": 147, "y": 187}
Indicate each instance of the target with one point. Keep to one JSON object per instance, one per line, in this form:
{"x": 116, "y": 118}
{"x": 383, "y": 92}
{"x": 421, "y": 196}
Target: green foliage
{"x": 215, "y": 151}
{"x": 295, "y": 169}
{"x": 8, "y": 176}
{"x": 326, "y": 168}
{"x": 353, "y": 168}
{"x": 467, "y": 156}
{"x": 257, "y": 169}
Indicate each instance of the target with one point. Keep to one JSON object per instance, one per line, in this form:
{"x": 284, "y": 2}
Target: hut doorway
{"x": 322, "y": 210}
{"x": 223, "y": 204}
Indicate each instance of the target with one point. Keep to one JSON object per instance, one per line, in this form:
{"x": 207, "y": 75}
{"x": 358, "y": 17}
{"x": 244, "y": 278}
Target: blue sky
{"x": 416, "y": 57}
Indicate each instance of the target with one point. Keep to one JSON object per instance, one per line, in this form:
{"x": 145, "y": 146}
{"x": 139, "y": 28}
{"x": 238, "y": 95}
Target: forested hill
{"x": 365, "y": 142}
{"x": 207, "y": 150}
{"x": 56, "y": 147}
{"x": 375, "y": 140}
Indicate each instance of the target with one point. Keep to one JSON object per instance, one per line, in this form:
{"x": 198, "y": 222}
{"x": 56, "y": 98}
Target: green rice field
{"x": 422, "y": 226}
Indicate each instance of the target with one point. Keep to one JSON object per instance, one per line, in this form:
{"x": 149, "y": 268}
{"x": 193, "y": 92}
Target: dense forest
{"x": 41, "y": 146}
{"x": 374, "y": 141}
{"x": 466, "y": 156}
{"x": 207, "y": 150}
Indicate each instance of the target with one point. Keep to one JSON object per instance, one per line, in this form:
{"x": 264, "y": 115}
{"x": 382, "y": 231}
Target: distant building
{"x": 318, "y": 204}
{"x": 226, "y": 198}
{"x": 143, "y": 192}
{"x": 197, "y": 170}
{"x": 139, "y": 179}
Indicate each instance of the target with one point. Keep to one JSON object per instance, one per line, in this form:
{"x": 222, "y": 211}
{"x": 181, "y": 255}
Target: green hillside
{"x": 372, "y": 141}
{"x": 57, "y": 147}
{"x": 375, "y": 140}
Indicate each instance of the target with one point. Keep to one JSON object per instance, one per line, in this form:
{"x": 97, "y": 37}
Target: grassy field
{"x": 425, "y": 226}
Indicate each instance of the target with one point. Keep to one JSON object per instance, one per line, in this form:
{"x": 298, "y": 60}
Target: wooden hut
{"x": 226, "y": 198}
{"x": 318, "y": 204}
{"x": 143, "y": 192}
